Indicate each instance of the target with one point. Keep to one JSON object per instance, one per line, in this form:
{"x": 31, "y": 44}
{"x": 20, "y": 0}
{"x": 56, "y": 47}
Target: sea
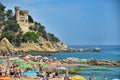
{"x": 108, "y": 52}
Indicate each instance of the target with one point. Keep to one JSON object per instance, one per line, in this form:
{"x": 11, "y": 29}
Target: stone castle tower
{"x": 21, "y": 17}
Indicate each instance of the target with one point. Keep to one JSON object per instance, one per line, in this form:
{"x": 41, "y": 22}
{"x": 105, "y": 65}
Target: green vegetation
{"x": 52, "y": 37}
{"x": 2, "y": 14}
{"x": 41, "y": 29}
{"x": 11, "y": 25}
{"x": 9, "y": 35}
{"x": 12, "y": 30}
{"x": 31, "y": 36}
{"x": 30, "y": 19}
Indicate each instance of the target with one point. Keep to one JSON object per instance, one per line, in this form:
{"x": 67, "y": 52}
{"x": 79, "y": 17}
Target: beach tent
{"x": 5, "y": 78}
{"x": 77, "y": 77}
{"x": 61, "y": 68}
{"x": 30, "y": 73}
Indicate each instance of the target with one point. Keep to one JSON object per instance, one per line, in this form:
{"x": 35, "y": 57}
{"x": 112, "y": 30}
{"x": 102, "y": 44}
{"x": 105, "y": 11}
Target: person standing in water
{"x": 104, "y": 78}
{"x": 91, "y": 78}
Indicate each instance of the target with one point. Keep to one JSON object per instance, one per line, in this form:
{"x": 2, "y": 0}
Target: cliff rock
{"x": 5, "y": 45}
{"x": 43, "y": 45}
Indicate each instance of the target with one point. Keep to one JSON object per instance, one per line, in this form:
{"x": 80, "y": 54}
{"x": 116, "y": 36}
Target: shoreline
{"x": 84, "y": 62}
{"x": 64, "y": 51}
{"x": 72, "y": 67}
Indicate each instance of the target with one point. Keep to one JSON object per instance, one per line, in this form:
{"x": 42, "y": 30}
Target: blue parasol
{"x": 30, "y": 73}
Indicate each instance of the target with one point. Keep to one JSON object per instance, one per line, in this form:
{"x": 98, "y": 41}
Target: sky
{"x": 76, "y": 22}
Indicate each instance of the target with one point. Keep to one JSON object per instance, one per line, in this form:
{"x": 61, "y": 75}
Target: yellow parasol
{"x": 77, "y": 77}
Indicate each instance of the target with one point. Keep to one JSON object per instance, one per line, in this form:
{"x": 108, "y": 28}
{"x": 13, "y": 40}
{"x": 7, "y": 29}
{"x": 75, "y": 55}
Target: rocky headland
{"x": 19, "y": 32}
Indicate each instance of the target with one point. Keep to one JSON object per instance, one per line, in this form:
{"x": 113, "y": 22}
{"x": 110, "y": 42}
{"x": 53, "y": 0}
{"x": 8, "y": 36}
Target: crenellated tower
{"x": 21, "y": 17}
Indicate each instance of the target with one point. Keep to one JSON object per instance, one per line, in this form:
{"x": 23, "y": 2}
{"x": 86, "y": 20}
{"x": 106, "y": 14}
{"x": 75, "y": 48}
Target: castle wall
{"x": 31, "y": 24}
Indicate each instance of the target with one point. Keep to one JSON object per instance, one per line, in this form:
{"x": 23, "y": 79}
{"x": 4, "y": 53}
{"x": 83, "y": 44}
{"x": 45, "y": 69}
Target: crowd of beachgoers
{"x": 31, "y": 67}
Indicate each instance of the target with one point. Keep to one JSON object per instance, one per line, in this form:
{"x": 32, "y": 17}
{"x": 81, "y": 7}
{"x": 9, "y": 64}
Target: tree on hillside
{"x": 30, "y": 36}
{"x": 18, "y": 39}
{"x": 30, "y": 19}
{"x": 2, "y": 14}
{"x": 11, "y": 25}
{"x": 9, "y": 14}
{"x": 53, "y": 38}
{"x": 40, "y": 29}
{"x": 10, "y": 35}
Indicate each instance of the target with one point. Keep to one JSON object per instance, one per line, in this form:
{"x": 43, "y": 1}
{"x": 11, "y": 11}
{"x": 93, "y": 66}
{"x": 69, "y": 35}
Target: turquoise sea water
{"x": 109, "y": 72}
{"x": 109, "y": 52}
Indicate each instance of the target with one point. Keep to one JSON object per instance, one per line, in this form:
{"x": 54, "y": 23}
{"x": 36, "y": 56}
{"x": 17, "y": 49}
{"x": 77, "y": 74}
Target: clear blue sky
{"x": 76, "y": 22}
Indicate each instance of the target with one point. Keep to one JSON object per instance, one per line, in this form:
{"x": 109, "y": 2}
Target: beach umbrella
{"x": 116, "y": 79}
{"x": 77, "y": 77}
{"x": 19, "y": 61}
{"x": 45, "y": 58}
{"x": 31, "y": 62}
{"x": 5, "y": 78}
{"x": 61, "y": 68}
{"x": 24, "y": 66}
{"x": 36, "y": 70}
{"x": 43, "y": 66}
{"x": 30, "y": 73}
{"x": 1, "y": 61}
{"x": 27, "y": 56}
